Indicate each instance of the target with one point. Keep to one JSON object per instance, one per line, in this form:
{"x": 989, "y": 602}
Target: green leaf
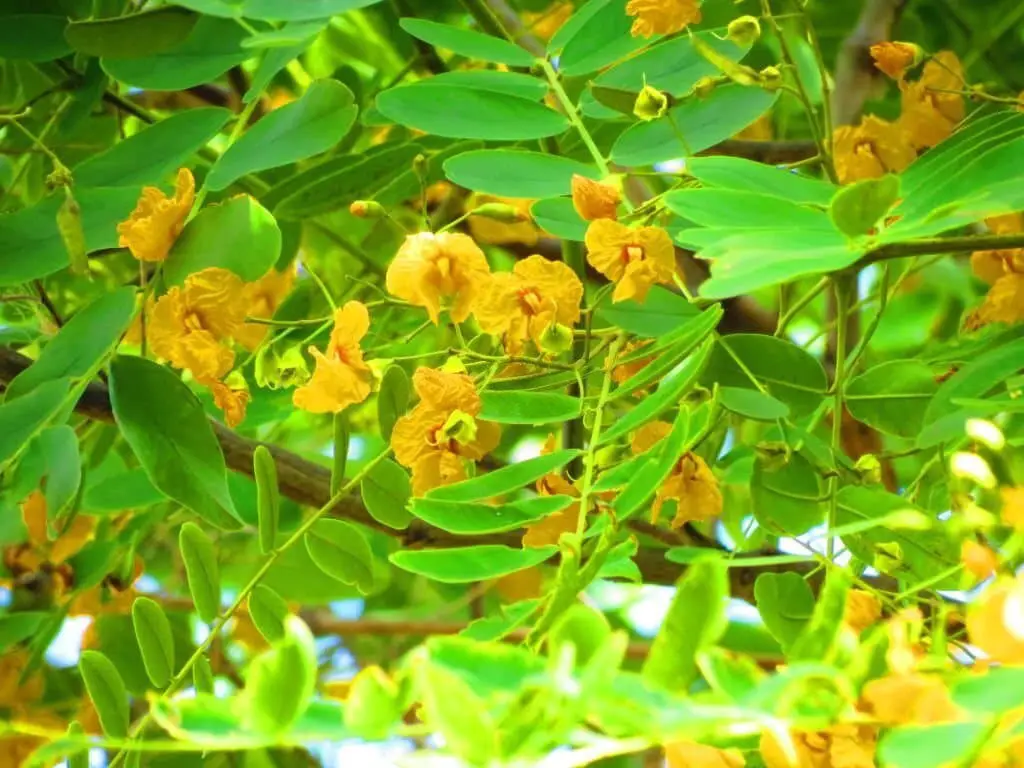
{"x": 200, "y": 559}
{"x": 602, "y": 37}
{"x": 695, "y": 621}
{"x": 584, "y": 627}
{"x": 275, "y": 10}
{"x": 787, "y": 372}
{"x": 340, "y": 550}
{"x": 202, "y": 676}
{"x": 211, "y": 49}
{"x": 460, "y": 565}
{"x": 786, "y": 494}
{"x": 505, "y": 480}
{"x": 33, "y": 243}
{"x": 314, "y": 123}
{"x": 454, "y": 709}
{"x": 702, "y": 122}
{"x": 156, "y": 643}
{"x": 338, "y": 182}
{"x": 124, "y": 490}
{"x": 528, "y": 407}
{"x": 892, "y": 397}
{"x": 149, "y": 156}
{"x": 717, "y": 208}
{"x": 858, "y": 207}
{"x": 464, "y": 112}
{"x": 386, "y": 491}
{"x": 921, "y": 554}
{"x": 467, "y": 518}
{"x": 557, "y": 216}
{"x": 468, "y": 43}
{"x": 268, "y": 497}
{"x": 33, "y": 36}
{"x": 80, "y": 343}
{"x": 752, "y": 404}
{"x": 274, "y": 60}
{"x": 392, "y": 398}
{"x": 173, "y": 442}
{"x": 268, "y": 610}
{"x": 516, "y": 173}
{"x": 661, "y": 314}
{"x": 59, "y": 446}
{"x": 373, "y": 706}
{"x": 281, "y": 681}
{"x": 134, "y": 35}
{"x": 15, "y": 627}
{"x": 750, "y": 176}
{"x": 931, "y": 746}
{"x": 238, "y": 234}
{"x": 677, "y": 382}
{"x": 295, "y": 33}
{"x": 107, "y": 691}
{"x": 820, "y": 635}
{"x": 21, "y": 419}
{"x": 943, "y": 421}
{"x": 785, "y": 602}
{"x": 996, "y": 691}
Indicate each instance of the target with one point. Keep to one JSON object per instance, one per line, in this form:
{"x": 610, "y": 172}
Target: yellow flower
{"x": 687, "y": 754}
{"x": 930, "y": 111}
{"x": 441, "y": 432}
{"x": 980, "y": 561}
{"x": 661, "y": 17}
{"x": 594, "y": 199}
{"x": 626, "y": 371}
{"x": 493, "y": 232}
{"x": 1004, "y": 271}
{"x": 550, "y": 529}
{"x": 870, "y": 150}
{"x": 430, "y": 267}
{"x": 231, "y": 400}
{"x": 995, "y": 622}
{"x": 893, "y": 58}
{"x": 543, "y": 24}
{"x": 692, "y": 483}
{"x": 157, "y": 220}
{"x": 341, "y": 377}
{"x": 862, "y": 610}
{"x": 1012, "y": 513}
{"x": 190, "y": 325}
{"x": 71, "y": 540}
{"x": 635, "y": 259}
{"x": 524, "y": 303}
{"x": 903, "y": 699}
{"x": 521, "y": 585}
{"x": 262, "y": 298}
{"x": 847, "y": 745}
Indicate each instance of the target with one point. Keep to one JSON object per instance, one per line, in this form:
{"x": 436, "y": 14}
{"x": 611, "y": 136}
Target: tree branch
{"x": 933, "y": 245}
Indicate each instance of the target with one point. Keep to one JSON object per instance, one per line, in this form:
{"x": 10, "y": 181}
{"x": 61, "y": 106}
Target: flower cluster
{"x": 662, "y": 17}
{"x": 1003, "y": 270}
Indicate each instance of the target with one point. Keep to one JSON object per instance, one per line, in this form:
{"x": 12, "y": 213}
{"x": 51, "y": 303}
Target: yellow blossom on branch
{"x": 870, "y": 150}
{"x": 932, "y": 106}
{"x": 594, "y": 199}
{"x": 442, "y": 431}
{"x": 995, "y": 621}
{"x": 191, "y": 325}
{"x": 154, "y": 225}
{"x": 430, "y": 267}
{"x": 231, "y": 400}
{"x": 893, "y": 58}
{"x": 342, "y": 378}
{"x": 524, "y": 303}
{"x": 1003, "y": 270}
{"x": 662, "y": 17}
{"x": 862, "y": 610}
{"x": 635, "y": 259}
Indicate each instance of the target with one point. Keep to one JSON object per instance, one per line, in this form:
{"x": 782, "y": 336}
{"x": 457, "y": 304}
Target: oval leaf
{"x": 528, "y": 407}
{"x": 460, "y": 565}
{"x": 516, "y": 173}
{"x": 201, "y": 568}
{"x": 386, "y": 491}
{"x": 892, "y": 397}
{"x": 469, "y": 519}
{"x": 340, "y": 550}
{"x": 107, "y": 691}
{"x": 133, "y": 35}
{"x": 505, "y": 480}
{"x": 268, "y": 612}
{"x": 268, "y": 497}
{"x": 468, "y": 43}
{"x": 156, "y": 643}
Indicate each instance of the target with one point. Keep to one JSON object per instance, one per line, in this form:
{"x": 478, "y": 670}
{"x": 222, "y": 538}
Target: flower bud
{"x": 770, "y": 78}
{"x": 503, "y": 212}
{"x": 279, "y": 370}
{"x": 869, "y": 468}
{"x": 650, "y": 104}
{"x": 367, "y": 209}
{"x": 985, "y": 432}
{"x": 556, "y": 339}
{"x": 72, "y": 233}
{"x": 703, "y": 87}
{"x": 420, "y": 164}
{"x": 978, "y": 559}
{"x": 744, "y": 31}
{"x": 970, "y": 466}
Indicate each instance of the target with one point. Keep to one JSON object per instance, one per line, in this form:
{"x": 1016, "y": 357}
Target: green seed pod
{"x": 202, "y": 675}
{"x": 156, "y": 643}
{"x": 268, "y": 497}
{"x": 69, "y": 224}
{"x": 503, "y": 212}
{"x": 201, "y": 569}
{"x": 107, "y": 691}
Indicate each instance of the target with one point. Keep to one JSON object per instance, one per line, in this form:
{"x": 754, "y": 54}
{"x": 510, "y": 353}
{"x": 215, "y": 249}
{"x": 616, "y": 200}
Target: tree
{"x": 454, "y": 372}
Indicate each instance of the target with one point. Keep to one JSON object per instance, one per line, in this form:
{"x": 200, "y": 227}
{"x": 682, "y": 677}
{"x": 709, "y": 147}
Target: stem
{"x": 844, "y": 288}
{"x": 573, "y": 115}
{"x": 485, "y": 17}
{"x": 930, "y": 245}
{"x": 883, "y": 302}
{"x": 798, "y": 306}
{"x": 185, "y": 673}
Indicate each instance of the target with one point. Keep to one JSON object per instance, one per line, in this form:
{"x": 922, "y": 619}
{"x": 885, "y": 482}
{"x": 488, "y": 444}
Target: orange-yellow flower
{"x": 661, "y": 17}
{"x": 847, "y": 745}
{"x": 688, "y": 754}
{"x": 191, "y": 325}
{"x": 442, "y": 431}
{"x": 594, "y": 199}
{"x": 626, "y": 371}
{"x": 870, "y": 150}
{"x": 523, "y": 304}
{"x": 342, "y": 378}
{"x": 65, "y": 546}
{"x": 894, "y": 58}
{"x": 902, "y": 699}
{"x": 980, "y": 561}
{"x": 1012, "y": 513}
{"x": 262, "y": 298}
{"x": 635, "y": 259}
{"x": 995, "y": 622}
{"x": 231, "y": 400}
{"x": 932, "y": 107}
{"x": 154, "y": 225}
{"x": 692, "y": 483}
{"x": 543, "y": 24}
{"x": 862, "y": 610}
{"x": 1004, "y": 271}
{"x": 490, "y": 231}
{"x": 430, "y": 267}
